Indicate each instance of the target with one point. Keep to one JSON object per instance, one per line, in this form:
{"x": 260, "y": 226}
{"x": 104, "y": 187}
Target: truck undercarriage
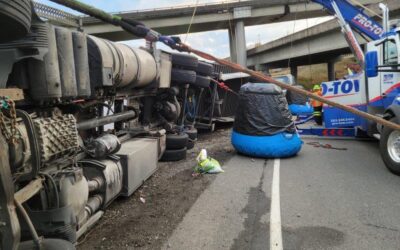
{"x": 83, "y": 121}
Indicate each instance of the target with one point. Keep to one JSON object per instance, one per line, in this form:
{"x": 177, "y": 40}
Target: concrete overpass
{"x": 322, "y": 43}
{"x": 233, "y": 16}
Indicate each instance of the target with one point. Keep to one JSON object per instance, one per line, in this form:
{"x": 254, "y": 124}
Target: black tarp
{"x": 262, "y": 110}
{"x": 296, "y": 98}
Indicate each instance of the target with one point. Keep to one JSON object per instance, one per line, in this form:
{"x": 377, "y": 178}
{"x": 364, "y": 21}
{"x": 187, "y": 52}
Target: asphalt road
{"x": 329, "y": 199}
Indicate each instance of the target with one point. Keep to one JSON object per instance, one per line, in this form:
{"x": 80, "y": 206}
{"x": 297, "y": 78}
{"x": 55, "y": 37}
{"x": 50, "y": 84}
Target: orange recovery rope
{"x": 265, "y": 78}
{"x": 139, "y": 29}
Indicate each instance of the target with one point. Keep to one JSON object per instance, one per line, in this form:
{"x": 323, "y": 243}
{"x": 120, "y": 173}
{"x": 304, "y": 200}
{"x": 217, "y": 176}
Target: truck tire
{"x": 174, "y": 155}
{"x": 205, "y": 69}
{"x": 48, "y": 244}
{"x": 184, "y": 61}
{"x": 15, "y": 18}
{"x": 201, "y": 82}
{"x": 389, "y": 147}
{"x": 192, "y": 134}
{"x": 176, "y": 141}
{"x": 182, "y": 76}
{"x": 190, "y": 144}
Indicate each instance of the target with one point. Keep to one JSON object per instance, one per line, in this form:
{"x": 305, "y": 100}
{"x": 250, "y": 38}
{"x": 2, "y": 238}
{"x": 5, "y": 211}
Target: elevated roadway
{"x": 232, "y": 15}
{"x": 322, "y": 43}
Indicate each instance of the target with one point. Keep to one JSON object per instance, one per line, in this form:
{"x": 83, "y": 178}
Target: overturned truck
{"x": 83, "y": 120}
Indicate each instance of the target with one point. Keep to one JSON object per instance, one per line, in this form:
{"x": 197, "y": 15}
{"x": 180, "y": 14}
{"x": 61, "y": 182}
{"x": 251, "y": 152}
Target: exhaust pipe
{"x": 385, "y": 14}
{"x": 101, "y": 121}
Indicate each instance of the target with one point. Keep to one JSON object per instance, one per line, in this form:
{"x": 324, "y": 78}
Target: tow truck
{"x": 374, "y": 90}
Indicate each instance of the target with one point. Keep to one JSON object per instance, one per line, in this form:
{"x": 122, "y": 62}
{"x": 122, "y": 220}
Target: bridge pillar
{"x": 294, "y": 71}
{"x": 331, "y": 69}
{"x": 240, "y": 37}
{"x": 232, "y": 44}
{"x": 264, "y": 68}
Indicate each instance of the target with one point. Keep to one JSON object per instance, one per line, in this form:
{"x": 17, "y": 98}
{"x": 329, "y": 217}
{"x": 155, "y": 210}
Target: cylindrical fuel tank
{"x": 81, "y": 63}
{"x": 129, "y": 67}
{"x": 101, "y": 63}
{"x": 116, "y": 58}
{"x": 66, "y": 63}
{"x": 44, "y": 76}
{"x": 139, "y": 67}
{"x": 147, "y": 68}
{"x": 115, "y": 64}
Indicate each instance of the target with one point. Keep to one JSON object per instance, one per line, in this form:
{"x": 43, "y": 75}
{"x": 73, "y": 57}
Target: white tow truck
{"x": 375, "y": 90}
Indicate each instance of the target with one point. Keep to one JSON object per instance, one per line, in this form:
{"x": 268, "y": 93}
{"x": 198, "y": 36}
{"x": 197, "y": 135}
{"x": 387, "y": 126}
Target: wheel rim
{"x": 393, "y": 146}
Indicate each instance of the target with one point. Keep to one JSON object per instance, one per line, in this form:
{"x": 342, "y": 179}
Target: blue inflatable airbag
{"x": 274, "y": 146}
{"x": 297, "y": 109}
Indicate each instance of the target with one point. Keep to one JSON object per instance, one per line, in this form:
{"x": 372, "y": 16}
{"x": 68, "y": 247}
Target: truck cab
{"x": 383, "y": 89}
{"x": 383, "y": 72}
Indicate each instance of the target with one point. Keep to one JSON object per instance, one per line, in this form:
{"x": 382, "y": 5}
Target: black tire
{"x": 174, "y": 155}
{"x": 192, "y": 134}
{"x": 176, "y": 141}
{"x": 184, "y": 61}
{"x": 205, "y": 69}
{"x": 201, "y": 82}
{"x": 15, "y": 18}
{"x": 47, "y": 244}
{"x": 182, "y": 76}
{"x": 190, "y": 144}
{"x": 389, "y": 156}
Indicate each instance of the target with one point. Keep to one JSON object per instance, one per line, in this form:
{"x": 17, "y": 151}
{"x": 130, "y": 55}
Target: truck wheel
{"x": 182, "y": 76}
{"x": 190, "y": 144}
{"x": 205, "y": 69}
{"x": 184, "y": 61}
{"x": 389, "y": 146}
{"x": 15, "y": 19}
{"x": 174, "y": 155}
{"x": 192, "y": 133}
{"x": 176, "y": 141}
{"x": 48, "y": 244}
{"x": 201, "y": 82}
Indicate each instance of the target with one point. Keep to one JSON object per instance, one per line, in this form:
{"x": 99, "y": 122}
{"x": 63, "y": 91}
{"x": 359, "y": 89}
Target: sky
{"x": 214, "y": 42}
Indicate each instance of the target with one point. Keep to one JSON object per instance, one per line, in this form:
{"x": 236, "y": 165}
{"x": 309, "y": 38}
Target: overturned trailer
{"x": 83, "y": 121}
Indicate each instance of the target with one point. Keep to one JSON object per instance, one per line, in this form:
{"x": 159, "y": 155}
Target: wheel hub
{"x": 394, "y": 146}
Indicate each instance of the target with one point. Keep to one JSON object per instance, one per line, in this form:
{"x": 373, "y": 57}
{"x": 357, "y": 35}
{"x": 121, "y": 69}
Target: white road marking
{"x": 275, "y": 229}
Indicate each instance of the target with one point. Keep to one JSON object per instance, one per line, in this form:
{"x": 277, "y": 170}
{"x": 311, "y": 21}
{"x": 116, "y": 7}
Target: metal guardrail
{"x": 222, "y": 69}
{"x": 214, "y": 7}
{"x": 183, "y": 6}
{"x": 57, "y": 16}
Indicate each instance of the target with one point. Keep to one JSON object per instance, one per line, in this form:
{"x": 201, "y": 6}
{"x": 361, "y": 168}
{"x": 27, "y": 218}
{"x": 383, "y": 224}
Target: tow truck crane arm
{"x": 355, "y": 17}
{"x": 349, "y": 16}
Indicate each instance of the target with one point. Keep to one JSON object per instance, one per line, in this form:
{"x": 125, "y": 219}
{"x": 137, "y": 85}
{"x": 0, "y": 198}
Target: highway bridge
{"x": 232, "y": 15}
{"x": 322, "y": 43}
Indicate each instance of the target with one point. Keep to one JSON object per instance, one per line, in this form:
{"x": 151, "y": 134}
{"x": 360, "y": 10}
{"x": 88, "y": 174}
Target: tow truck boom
{"x": 355, "y": 17}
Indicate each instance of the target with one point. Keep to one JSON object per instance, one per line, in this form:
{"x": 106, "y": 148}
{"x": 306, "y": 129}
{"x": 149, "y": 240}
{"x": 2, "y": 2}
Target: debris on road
{"x": 207, "y": 165}
{"x": 326, "y": 146}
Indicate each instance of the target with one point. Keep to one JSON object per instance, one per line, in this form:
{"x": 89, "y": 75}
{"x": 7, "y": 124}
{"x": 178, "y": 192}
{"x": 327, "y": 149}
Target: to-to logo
{"x": 340, "y": 87}
{"x": 366, "y": 23}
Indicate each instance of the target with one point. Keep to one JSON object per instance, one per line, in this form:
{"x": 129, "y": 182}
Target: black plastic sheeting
{"x": 296, "y": 98}
{"x": 262, "y": 110}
